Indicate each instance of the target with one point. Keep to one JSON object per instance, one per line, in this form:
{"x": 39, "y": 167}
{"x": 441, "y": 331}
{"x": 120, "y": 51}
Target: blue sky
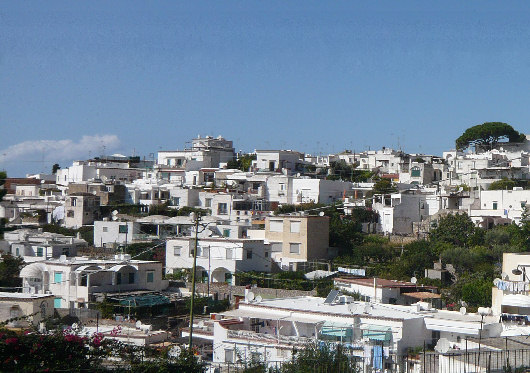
{"x": 83, "y": 78}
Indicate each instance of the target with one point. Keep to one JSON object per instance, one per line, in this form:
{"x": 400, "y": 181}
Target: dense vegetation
{"x": 488, "y": 135}
{"x": 86, "y": 233}
{"x": 340, "y": 170}
{"x": 66, "y": 351}
{"x": 475, "y": 253}
{"x": 243, "y": 162}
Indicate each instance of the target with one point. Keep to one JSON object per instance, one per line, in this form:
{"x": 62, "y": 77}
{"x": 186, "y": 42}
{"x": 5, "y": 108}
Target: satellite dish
{"x": 496, "y": 281}
{"x": 259, "y": 299}
{"x": 463, "y": 310}
{"x": 352, "y": 308}
{"x": 504, "y": 276}
{"x": 414, "y": 280}
{"x": 138, "y": 324}
{"x": 250, "y": 296}
{"x": 75, "y": 326}
{"x": 321, "y": 213}
{"x": 115, "y": 212}
{"x": 201, "y": 324}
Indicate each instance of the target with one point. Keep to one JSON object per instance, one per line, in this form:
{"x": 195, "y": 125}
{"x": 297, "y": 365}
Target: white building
{"x": 296, "y": 190}
{"x": 270, "y": 329}
{"x": 398, "y": 211}
{"x": 33, "y": 245}
{"x": 117, "y": 168}
{"x": 287, "y": 161}
{"x": 35, "y": 307}
{"x": 75, "y": 282}
{"x": 113, "y": 233}
{"x": 218, "y": 259}
{"x": 508, "y": 204}
{"x": 378, "y": 290}
{"x": 206, "y": 152}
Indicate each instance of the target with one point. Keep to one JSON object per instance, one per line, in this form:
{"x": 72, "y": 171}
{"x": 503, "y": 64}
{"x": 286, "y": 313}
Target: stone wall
{"x": 224, "y": 290}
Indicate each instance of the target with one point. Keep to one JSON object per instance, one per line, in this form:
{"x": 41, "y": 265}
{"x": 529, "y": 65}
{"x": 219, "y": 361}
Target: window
{"x": 415, "y": 172}
{"x": 40, "y": 251}
{"x": 229, "y": 253}
{"x": 84, "y": 281}
{"x": 123, "y": 228}
{"x": 229, "y": 356}
{"x": 175, "y": 201}
{"x": 495, "y": 205}
{"x": 17, "y": 251}
{"x": 57, "y": 302}
{"x": 208, "y": 202}
{"x": 249, "y": 254}
{"x": 276, "y": 246}
{"x": 66, "y": 251}
{"x": 118, "y": 278}
{"x": 294, "y": 248}
{"x": 57, "y": 277}
{"x": 222, "y": 209}
{"x": 70, "y": 214}
{"x": 295, "y": 227}
{"x": 523, "y": 204}
{"x": 276, "y": 225}
{"x": 73, "y": 202}
{"x": 176, "y": 250}
{"x": 150, "y": 276}
{"x": 266, "y": 254}
{"x": 226, "y": 232}
{"x": 131, "y": 278}
{"x": 105, "y": 229}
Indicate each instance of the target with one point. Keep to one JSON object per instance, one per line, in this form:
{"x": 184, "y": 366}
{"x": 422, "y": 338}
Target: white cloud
{"x": 60, "y": 150}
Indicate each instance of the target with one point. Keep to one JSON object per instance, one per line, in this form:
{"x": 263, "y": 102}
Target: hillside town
{"x": 397, "y": 262}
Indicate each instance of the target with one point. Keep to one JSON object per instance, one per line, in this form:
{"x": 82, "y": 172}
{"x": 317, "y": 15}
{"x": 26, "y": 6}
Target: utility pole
{"x": 197, "y": 218}
{"x": 209, "y": 269}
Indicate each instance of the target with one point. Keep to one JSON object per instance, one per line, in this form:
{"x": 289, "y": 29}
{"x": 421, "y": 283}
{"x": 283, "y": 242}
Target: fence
{"x": 485, "y": 361}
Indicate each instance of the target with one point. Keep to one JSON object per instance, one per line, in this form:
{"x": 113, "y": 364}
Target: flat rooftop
{"x": 315, "y": 306}
{"x": 21, "y": 296}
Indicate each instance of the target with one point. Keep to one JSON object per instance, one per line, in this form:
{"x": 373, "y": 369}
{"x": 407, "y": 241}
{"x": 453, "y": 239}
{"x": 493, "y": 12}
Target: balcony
{"x": 268, "y": 338}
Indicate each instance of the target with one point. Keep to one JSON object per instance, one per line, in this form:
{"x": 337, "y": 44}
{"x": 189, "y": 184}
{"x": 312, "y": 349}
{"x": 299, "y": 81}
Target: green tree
{"x": 457, "y": 229}
{"x": 55, "y": 167}
{"x": 383, "y": 186}
{"x": 503, "y": 184}
{"x": 10, "y": 267}
{"x": 488, "y": 135}
{"x": 327, "y": 359}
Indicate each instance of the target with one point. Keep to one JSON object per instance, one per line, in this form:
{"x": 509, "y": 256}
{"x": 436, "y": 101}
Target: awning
{"x": 337, "y": 329}
{"x": 146, "y": 300}
{"x": 86, "y": 267}
{"x": 377, "y": 332}
{"x": 118, "y": 267}
{"x": 258, "y": 314}
{"x": 516, "y": 300}
{"x": 33, "y": 270}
